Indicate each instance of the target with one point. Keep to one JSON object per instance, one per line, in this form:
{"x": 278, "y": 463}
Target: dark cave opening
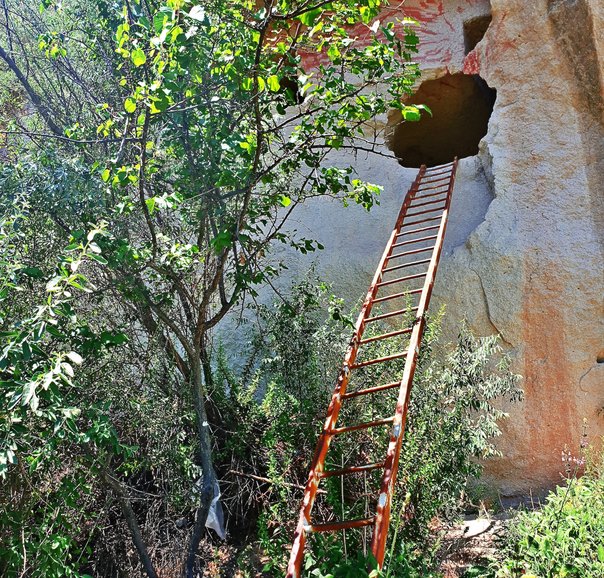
{"x": 461, "y": 106}
{"x": 474, "y": 31}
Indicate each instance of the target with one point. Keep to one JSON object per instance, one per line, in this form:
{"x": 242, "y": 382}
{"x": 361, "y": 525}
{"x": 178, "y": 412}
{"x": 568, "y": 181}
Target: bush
{"x": 565, "y": 538}
{"x": 452, "y": 420}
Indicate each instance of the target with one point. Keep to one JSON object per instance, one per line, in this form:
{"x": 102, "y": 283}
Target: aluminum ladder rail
{"x": 435, "y": 184}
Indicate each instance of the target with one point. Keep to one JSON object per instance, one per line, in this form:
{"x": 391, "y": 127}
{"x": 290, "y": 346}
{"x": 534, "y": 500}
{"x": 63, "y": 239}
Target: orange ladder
{"x": 431, "y": 194}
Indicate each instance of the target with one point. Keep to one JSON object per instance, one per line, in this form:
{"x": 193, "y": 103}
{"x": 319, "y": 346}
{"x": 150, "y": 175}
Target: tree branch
{"x": 33, "y": 95}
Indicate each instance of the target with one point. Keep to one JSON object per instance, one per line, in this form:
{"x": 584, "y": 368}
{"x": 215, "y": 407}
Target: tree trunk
{"x": 207, "y": 468}
{"x": 132, "y": 522}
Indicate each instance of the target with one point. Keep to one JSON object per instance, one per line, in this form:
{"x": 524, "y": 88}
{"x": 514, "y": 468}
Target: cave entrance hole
{"x": 461, "y": 106}
{"x": 474, "y": 31}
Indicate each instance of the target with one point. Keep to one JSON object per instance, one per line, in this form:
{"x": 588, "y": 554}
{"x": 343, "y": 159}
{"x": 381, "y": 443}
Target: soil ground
{"x": 465, "y": 545}
{"x": 471, "y": 543}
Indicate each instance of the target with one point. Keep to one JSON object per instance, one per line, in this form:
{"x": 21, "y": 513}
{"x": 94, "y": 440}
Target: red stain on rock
{"x": 426, "y": 11}
{"x": 437, "y": 27}
{"x": 550, "y": 412}
{"x": 471, "y": 64}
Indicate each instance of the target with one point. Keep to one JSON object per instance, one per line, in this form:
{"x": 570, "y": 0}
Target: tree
{"x": 199, "y": 129}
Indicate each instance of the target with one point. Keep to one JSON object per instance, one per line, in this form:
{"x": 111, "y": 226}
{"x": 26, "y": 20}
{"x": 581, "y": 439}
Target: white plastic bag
{"x": 215, "y": 519}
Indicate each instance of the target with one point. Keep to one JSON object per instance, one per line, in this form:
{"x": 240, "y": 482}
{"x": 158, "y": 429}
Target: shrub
{"x": 452, "y": 420}
{"x": 565, "y": 538}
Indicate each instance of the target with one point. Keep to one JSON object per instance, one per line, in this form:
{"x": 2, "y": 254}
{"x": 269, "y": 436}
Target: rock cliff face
{"x": 524, "y": 249}
{"x": 536, "y": 261}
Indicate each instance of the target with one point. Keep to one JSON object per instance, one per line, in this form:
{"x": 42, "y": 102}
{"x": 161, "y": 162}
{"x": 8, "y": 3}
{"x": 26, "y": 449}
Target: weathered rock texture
{"x": 537, "y": 258}
{"x": 533, "y": 269}
{"x": 524, "y": 249}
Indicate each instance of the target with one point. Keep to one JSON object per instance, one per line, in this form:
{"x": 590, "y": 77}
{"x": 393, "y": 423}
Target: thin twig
{"x": 271, "y": 482}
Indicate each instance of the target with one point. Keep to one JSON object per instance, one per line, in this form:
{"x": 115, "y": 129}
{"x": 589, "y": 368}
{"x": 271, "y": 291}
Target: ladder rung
{"x": 433, "y": 228}
{"x": 391, "y": 314}
{"x": 401, "y": 244}
{"x": 378, "y": 422}
{"x": 431, "y": 210}
{"x": 440, "y": 167}
{"x": 401, "y": 279}
{"x": 431, "y": 189}
{"x": 423, "y": 221}
{"x": 370, "y": 390}
{"x": 345, "y": 525}
{"x": 426, "y": 204}
{"x": 395, "y": 295}
{"x": 432, "y": 175}
{"x": 428, "y": 182}
{"x": 436, "y": 194}
{"x": 385, "y": 336}
{"x": 395, "y": 267}
{"x": 352, "y": 470}
{"x": 379, "y": 360}
{"x": 413, "y": 252}
{"x": 437, "y": 173}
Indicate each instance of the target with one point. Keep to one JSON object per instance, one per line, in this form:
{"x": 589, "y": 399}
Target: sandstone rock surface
{"x": 537, "y": 257}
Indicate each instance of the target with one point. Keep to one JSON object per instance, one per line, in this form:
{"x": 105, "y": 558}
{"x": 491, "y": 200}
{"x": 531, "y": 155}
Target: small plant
{"x": 565, "y": 538}
{"x": 329, "y": 562}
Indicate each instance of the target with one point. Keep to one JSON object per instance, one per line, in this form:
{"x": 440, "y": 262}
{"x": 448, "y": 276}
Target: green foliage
{"x": 42, "y": 345}
{"x": 64, "y": 419}
{"x": 330, "y": 563}
{"x": 565, "y": 537}
{"x": 37, "y": 358}
{"x": 191, "y": 124}
{"x": 168, "y": 143}
{"x": 272, "y": 410}
{"x": 452, "y": 421}
{"x": 41, "y": 533}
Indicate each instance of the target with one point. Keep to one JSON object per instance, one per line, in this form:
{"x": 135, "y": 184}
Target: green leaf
{"x": 138, "y": 57}
{"x": 29, "y": 395}
{"x": 333, "y": 52}
{"x": 309, "y": 18}
{"x": 33, "y": 272}
{"x": 93, "y": 233}
{"x": 67, "y": 369}
{"x": 221, "y": 241}
{"x": 99, "y": 259}
{"x": 150, "y": 204}
{"x": 424, "y": 107}
{"x": 160, "y": 18}
{"x": 130, "y": 105}
{"x": 160, "y": 103}
{"x": 110, "y": 338}
{"x": 285, "y": 201}
{"x": 26, "y": 349}
{"x": 52, "y": 284}
{"x": 105, "y": 175}
{"x": 411, "y": 114}
{"x": 273, "y": 83}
